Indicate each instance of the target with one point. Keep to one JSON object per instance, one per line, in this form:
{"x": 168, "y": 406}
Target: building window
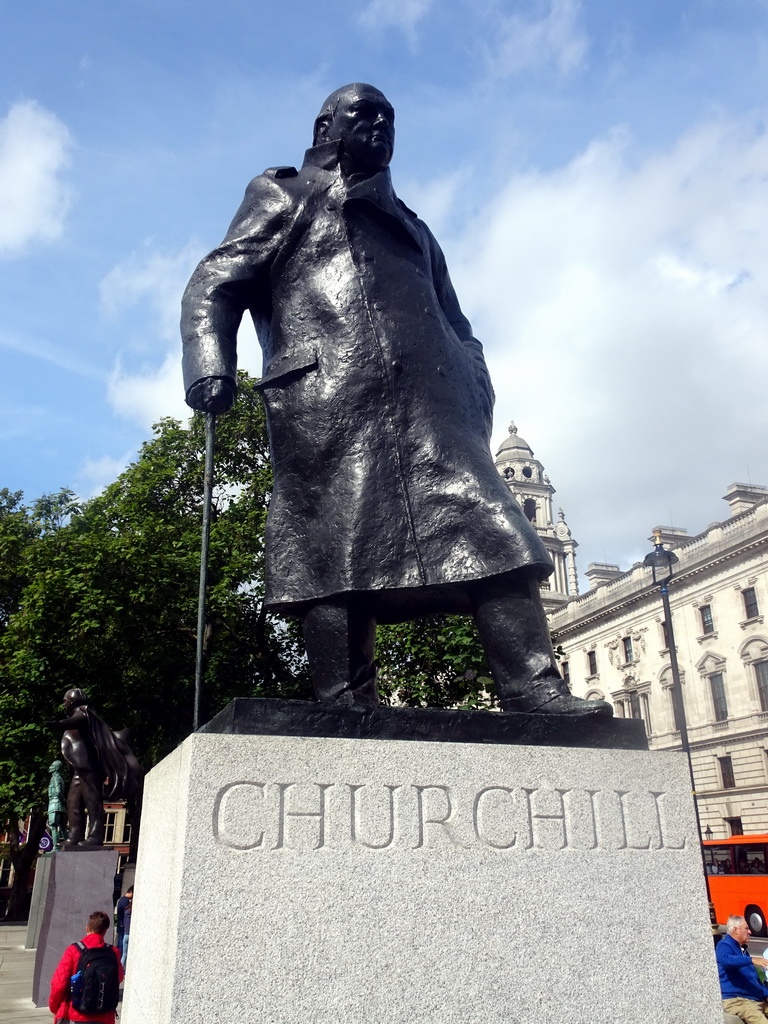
{"x": 566, "y": 670}
{"x": 726, "y": 772}
{"x": 707, "y": 622}
{"x": 592, "y": 663}
{"x": 761, "y": 672}
{"x": 750, "y": 603}
{"x": 717, "y": 687}
{"x": 109, "y": 827}
{"x": 634, "y": 705}
{"x": 629, "y": 654}
{"x": 529, "y": 508}
{"x": 735, "y": 826}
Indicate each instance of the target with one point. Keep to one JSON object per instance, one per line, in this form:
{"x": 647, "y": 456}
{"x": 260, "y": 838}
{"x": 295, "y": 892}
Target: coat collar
{"x": 376, "y": 190}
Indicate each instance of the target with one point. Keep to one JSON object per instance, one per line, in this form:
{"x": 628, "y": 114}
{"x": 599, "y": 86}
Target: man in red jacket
{"x": 58, "y": 1002}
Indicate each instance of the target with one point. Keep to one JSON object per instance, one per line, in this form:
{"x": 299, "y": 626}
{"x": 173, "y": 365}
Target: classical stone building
{"x": 616, "y": 645}
{"x": 531, "y": 486}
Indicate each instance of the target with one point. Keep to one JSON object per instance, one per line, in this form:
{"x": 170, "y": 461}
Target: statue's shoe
{"x": 553, "y": 701}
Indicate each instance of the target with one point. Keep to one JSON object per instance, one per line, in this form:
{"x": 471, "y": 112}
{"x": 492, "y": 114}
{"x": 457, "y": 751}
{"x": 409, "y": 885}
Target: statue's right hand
{"x": 52, "y": 723}
{"x": 212, "y": 394}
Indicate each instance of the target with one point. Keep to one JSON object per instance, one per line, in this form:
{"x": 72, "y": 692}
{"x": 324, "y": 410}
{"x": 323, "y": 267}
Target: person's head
{"x": 56, "y": 766}
{"x": 129, "y": 893}
{"x": 361, "y": 118}
{"x": 98, "y": 922}
{"x": 738, "y": 929}
{"x": 74, "y": 698}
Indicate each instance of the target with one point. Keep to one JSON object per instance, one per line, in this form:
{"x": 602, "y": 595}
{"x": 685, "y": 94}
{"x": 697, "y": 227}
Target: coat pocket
{"x": 287, "y": 368}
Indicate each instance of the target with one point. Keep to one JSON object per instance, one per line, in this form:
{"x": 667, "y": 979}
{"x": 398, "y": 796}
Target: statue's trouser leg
{"x": 95, "y": 806}
{"x": 75, "y": 811}
{"x": 340, "y": 644}
{"x": 514, "y": 633}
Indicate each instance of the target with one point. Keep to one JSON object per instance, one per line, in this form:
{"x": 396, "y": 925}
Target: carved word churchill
{"x": 271, "y": 816}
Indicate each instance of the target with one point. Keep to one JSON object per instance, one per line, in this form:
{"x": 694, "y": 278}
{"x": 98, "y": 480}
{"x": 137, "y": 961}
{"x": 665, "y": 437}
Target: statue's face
{"x": 364, "y": 121}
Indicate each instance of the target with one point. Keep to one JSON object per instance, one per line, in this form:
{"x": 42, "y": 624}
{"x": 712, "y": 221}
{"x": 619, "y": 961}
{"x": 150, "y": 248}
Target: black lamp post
{"x": 708, "y": 833}
{"x": 660, "y": 562}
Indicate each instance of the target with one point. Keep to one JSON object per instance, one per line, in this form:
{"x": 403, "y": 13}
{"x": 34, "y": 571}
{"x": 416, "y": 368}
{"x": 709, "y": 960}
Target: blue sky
{"x": 596, "y": 171}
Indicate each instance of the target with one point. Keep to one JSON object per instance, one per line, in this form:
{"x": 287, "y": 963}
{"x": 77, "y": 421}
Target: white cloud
{"x": 624, "y": 309}
{"x": 402, "y": 14}
{"x": 48, "y": 352}
{"x": 153, "y": 281}
{"x": 556, "y": 39}
{"x": 34, "y": 198}
{"x": 96, "y": 474}
{"x": 145, "y": 293}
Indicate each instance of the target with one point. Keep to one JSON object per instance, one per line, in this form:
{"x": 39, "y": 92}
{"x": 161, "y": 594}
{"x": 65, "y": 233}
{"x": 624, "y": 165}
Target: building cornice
{"x": 720, "y": 544}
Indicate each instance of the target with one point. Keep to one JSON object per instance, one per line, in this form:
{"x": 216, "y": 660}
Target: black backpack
{"x": 95, "y": 985}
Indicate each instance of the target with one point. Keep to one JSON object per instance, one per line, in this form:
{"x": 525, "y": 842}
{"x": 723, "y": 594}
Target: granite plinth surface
{"x": 271, "y": 717}
{"x": 37, "y": 905}
{"x": 79, "y": 882}
{"x": 288, "y": 879}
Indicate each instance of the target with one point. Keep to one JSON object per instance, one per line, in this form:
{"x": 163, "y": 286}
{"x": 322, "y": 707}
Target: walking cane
{"x": 210, "y": 437}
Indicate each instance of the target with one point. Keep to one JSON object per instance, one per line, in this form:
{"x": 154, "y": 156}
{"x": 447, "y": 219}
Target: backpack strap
{"x": 80, "y": 946}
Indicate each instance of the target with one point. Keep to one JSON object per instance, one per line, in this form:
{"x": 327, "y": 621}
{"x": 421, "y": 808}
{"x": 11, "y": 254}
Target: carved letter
{"x": 640, "y": 806}
{"x": 420, "y": 791}
{"x": 476, "y": 818}
{"x": 558, "y": 815}
{"x": 234, "y": 792}
{"x": 621, "y": 793}
{"x": 664, "y": 841}
{"x": 353, "y": 818}
{"x": 283, "y": 788}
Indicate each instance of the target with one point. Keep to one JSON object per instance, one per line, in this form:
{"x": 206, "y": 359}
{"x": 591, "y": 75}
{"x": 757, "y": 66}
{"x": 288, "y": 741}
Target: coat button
{"x": 331, "y": 206}
{"x": 378, "y": 305}
{"x": 397, "y": 366}
{"x": 429, "y": 311}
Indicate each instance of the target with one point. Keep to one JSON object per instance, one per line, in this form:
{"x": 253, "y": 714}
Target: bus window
{"x": 722, "y": 860}
{"x": 755, "y": 859}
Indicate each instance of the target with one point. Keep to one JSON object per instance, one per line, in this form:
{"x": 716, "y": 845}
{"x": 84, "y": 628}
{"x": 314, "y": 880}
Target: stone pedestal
{"x": 79, "y": 882}
{"x": 307, "y": 878}
{"x": 37, "y": 905}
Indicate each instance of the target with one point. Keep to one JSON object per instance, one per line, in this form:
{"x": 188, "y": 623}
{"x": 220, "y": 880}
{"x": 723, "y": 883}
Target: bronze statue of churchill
{"x": 386, "y": 502}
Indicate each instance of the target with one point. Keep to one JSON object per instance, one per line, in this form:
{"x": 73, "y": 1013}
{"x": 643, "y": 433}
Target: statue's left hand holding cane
{"x": 211, "y": 395}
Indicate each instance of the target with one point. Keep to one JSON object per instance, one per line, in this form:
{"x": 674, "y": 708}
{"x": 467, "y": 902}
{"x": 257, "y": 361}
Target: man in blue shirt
{"x": 744, "y": 995}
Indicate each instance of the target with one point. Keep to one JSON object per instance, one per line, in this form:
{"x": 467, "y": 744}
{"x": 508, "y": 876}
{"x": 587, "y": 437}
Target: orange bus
{"x": 738, "y": 882}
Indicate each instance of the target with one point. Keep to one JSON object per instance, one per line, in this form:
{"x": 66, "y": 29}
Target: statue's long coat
{"x": 378, "y": 398}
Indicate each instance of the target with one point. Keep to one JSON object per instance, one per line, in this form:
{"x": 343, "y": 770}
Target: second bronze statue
{"x": 386, "y": 503}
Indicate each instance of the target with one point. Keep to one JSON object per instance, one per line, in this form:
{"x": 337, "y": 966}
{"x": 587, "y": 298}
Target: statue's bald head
{"x": 362, "y": 119}
{"x": 74, "y": 698}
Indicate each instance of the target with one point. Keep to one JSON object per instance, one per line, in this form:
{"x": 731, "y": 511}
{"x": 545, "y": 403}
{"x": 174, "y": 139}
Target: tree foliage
{"x": 436, "y": 662}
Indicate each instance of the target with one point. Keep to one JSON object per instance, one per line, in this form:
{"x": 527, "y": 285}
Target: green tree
{"x": 437, "y": 662}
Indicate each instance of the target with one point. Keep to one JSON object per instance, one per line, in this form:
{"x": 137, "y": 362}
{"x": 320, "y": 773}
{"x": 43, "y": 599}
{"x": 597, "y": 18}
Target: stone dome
{"x": 513, "y": 447}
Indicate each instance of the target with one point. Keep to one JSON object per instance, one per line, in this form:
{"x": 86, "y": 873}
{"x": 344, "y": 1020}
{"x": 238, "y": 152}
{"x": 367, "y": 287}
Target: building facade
{"x": 616, "y": 645}
{"x": 533, "y": 490}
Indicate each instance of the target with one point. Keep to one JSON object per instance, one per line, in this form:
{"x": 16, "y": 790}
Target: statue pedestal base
{"x": 296, "y": 879}
{"x": 79, "y": 882}
{"x": 37, "y": 905}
